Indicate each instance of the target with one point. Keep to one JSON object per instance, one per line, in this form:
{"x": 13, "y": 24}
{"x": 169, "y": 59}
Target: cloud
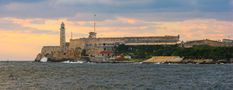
{"x": 204, "y": 28}
{"x": 177, "y": 9}
{"x": 100, "y": 2}
{"x": 19, "y": 1}
{"x": 215, "y": 5}
{"x": 23, "y": 25}
{"x": 128, "y": 20}
{"x": 198, "y": 29}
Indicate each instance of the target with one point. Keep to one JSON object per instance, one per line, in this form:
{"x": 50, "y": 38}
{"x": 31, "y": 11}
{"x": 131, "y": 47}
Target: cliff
{"x": 56, "y": 55}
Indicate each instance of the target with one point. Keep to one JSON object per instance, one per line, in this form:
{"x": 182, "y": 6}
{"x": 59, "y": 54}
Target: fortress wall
{"x": 98, "y": 42}
{"x": 77, "y": 43}
{"x": 151, "y": 43}
{"x": 50, "y": 49}
{"x": 105, "y": 46}
{"x": 100, "y": 46}
{"x": 152, "y": 40}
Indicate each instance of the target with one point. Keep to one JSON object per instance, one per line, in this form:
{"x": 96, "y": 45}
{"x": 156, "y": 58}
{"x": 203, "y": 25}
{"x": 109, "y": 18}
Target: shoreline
{"x": 127, "y": 62}
{"x": 152, "y": 60}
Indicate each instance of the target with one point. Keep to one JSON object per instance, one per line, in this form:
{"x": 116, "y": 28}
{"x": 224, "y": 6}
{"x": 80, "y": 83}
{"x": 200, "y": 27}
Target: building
{"x": 98, "y": 47}
{"x": 207, "y": 42}
{"x": 95, "y": 47}
{"x": 229, "y": 41}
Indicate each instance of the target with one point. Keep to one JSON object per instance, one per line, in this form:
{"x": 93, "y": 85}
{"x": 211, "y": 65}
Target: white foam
{"x": 44, "y": 59}
{"x": 73, "y": 62}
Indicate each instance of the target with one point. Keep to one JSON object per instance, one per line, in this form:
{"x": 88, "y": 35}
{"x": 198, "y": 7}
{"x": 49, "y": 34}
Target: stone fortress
{"x": 95, "y": 48}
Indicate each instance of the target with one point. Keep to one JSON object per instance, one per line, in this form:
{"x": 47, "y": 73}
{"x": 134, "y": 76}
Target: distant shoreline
{"x": 189, "y": 61}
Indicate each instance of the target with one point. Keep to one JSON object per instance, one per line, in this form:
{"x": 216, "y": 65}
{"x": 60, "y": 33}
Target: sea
{"x": 114, "y": 76}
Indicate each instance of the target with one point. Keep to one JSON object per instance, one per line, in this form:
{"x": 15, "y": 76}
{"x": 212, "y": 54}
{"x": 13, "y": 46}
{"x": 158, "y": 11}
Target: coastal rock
{"x": 38, "y": 57}
{"x": 164, "y": 59}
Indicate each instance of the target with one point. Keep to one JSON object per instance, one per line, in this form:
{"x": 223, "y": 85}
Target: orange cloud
{"x": 198, "y": 29}
{"x": 127, "y": 20}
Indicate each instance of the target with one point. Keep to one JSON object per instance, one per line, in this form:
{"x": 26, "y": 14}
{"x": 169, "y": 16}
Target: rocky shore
{"x": 185, "y": 60}
{"x": 155, "y": 59}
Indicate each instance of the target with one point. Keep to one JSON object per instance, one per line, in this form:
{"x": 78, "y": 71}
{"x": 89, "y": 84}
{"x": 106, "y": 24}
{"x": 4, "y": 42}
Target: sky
{"x": 27, "y": 25}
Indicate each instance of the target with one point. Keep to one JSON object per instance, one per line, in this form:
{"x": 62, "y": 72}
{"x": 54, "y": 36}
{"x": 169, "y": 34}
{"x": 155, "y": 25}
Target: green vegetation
{"x": 199, "y": 52}
{"x": 146, "y": 51}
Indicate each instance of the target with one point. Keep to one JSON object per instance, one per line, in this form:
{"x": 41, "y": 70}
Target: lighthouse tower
{"x": 62, "y": 37}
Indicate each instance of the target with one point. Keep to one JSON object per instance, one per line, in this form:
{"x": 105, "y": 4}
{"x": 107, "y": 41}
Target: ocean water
{"x": 61, "y": 76}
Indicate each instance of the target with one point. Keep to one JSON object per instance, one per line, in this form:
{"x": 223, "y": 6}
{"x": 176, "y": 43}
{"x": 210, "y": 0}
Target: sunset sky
{"x": 27, "y": 25}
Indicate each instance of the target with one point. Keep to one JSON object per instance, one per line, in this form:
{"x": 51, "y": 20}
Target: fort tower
{"x": 62, "y": 37}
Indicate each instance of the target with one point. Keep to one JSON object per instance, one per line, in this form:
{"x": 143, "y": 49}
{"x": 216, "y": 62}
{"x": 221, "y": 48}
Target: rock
{"x": 164, "y": 59}
{"x": 38, "y": 57}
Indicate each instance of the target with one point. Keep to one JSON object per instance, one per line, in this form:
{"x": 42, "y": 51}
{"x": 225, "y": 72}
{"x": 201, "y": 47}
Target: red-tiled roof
{"x": 106, "y": 52}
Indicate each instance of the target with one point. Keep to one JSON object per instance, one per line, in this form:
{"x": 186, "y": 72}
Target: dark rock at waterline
{"x": 38, "y": 58}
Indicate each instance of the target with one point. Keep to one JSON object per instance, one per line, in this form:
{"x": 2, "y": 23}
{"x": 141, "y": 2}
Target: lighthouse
{"x": 62, "y": 37}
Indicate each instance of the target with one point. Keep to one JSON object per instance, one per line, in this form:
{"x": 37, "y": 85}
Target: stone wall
{"x": 50, "y": 49}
